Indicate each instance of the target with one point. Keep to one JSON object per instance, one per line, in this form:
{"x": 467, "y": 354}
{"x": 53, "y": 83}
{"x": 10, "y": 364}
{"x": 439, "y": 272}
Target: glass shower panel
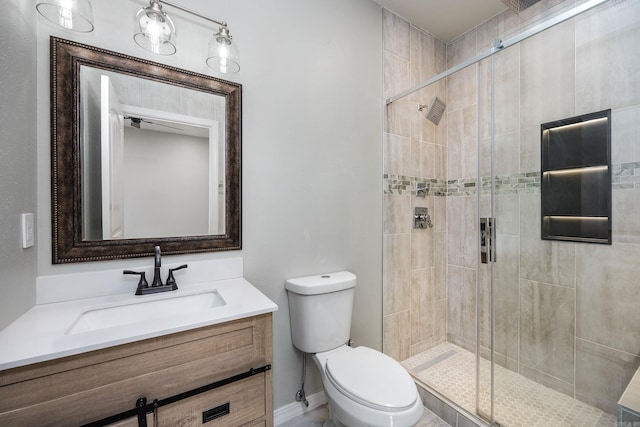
{"x": 498, "y": 278}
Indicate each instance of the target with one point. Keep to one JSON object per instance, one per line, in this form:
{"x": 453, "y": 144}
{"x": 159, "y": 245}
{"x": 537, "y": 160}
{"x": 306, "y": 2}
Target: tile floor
{"x": 316, "y": 417}
{"x": 519, "y": 401}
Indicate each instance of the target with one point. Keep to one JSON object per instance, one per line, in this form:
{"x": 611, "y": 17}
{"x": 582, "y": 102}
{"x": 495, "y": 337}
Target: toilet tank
{"x": 320, "y": 310}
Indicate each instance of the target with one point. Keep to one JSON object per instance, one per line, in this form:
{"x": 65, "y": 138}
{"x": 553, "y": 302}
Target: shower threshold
{"x": 518, "y": 401}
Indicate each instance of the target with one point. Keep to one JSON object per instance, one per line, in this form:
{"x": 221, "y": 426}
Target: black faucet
{"x": 156, "y": 285}
{"x": 157, "y": 281}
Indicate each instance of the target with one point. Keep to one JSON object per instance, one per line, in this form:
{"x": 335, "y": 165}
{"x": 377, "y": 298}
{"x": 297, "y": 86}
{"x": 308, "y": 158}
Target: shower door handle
{"x": 487, "y": 240}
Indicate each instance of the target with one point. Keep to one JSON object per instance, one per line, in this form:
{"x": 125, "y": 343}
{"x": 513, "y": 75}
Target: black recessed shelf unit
{"x": 576, "y": 178}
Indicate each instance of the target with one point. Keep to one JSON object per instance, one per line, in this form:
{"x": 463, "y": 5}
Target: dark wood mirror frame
{"x": 66, "y": 191}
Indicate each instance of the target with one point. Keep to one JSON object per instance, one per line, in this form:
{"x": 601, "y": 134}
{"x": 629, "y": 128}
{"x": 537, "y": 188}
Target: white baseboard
{"x": 295, "y": 409}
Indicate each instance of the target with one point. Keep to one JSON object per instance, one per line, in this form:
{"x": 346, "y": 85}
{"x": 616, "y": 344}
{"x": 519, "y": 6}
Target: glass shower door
{"x": 502, "y": 182}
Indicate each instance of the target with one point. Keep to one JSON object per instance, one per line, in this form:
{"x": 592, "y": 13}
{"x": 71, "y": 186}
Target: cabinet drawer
{"x": 232, "y": 405}
{"x": 237, "y": 404}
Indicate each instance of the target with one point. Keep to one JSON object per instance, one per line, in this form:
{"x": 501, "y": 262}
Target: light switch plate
{"x": 28, "y": 232}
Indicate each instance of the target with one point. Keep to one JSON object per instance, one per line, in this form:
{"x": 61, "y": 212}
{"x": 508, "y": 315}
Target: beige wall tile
{"x": 507, "y": 213}
{"x": 625, "y": 134}
{"x": 429, "y": 64}
{"x": 506, "y": 155}
{"x": 462, "y": 228}
{"x": 606, "y": 72}
{"x": 395, "y": 74}
{"x": 462, "y": 151}
{"x": 547, "y": 72}
{"x": 461, "y": 303}
{"x": 421, "y": 313}
{"x": 625, "y": 216}
{"x": 547, "y": 325}
{"x": 462, "y": 88}
{"x": 500, "y": 82}
{"x": 440, "y": 52}
{"x": 396, "y": 273}
{"x": 543, "y": 260}
{"x": 602, "y": 374}
{"x": 395, "y": 34}
{"x": 397, "y": 155}
{"x": 439, "y": 216}
{"x": 439, "y": 321}
{"x": 421, "y": 248}
{"x": 396, "y": 339}
{"x": 440, "y": 265}
{"x": 420, "y": 347}
{"x": 415, "y": 58}
{"x": 439, "y": 162}
{"x": 506, "y": 297}
{"x": 461, "y": 49}
{"x": 423, "y": 159}
{"x": 608, "y": 295}
{"x": 397, "y": 217}
{"x": 398, "y": 118}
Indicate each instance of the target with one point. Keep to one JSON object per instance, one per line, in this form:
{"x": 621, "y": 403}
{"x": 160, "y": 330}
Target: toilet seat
{"x": 372, "y": 379}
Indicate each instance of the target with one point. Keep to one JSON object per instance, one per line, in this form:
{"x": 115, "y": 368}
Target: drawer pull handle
{"x": 213, "y": 413}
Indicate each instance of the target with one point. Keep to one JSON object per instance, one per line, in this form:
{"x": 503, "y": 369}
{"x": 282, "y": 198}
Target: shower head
{"x": 434, "y": 111}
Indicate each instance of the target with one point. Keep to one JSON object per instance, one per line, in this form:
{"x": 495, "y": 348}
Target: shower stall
{"x": 521, "y": 304}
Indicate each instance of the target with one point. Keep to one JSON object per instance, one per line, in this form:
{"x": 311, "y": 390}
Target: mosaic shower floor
{"x": 519, "y": 402}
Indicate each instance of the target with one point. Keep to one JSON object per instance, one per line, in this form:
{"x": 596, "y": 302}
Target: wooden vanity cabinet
{"x": 85, "y": 388}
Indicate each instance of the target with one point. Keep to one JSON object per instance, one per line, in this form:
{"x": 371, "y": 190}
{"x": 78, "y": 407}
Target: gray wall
{"x": 17, "y": 156}
{"x": 312, "y": 157}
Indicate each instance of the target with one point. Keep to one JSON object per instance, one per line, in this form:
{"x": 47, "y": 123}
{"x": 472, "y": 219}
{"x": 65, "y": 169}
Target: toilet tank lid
{"x": 322, "y": 283}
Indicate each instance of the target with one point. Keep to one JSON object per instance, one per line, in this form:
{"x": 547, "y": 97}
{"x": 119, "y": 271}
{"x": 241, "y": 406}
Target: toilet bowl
{"x": 367, "y": 388}
{"x": 364, "y": 387}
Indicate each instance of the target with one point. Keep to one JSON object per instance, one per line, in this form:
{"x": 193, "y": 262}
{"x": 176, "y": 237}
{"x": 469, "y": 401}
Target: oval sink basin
{"x": 146, "y": 310}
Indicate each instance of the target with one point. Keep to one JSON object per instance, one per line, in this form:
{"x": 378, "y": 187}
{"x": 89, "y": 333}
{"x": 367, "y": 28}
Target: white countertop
{"x": 41, "y": 333}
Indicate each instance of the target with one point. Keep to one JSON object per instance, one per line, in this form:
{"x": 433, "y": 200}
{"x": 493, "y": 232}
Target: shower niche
{"x": 576, "y": 178}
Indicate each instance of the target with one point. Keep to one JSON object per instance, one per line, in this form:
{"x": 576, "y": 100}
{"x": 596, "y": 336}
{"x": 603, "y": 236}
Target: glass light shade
{"x": 76, "y": 15}
{"x": 223, "y": 53}
{"x": 154, "y": 30}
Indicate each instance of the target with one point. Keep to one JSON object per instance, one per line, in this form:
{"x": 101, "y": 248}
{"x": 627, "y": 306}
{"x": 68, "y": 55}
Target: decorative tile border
{"x": 400, "y": 184}
{"x": 624, "y": 176}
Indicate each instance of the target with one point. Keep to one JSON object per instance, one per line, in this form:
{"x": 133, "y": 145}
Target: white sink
{"x": 142, "y": 310}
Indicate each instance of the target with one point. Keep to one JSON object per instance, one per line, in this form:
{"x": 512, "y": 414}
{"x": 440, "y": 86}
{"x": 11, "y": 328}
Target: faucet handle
{"x": 171, "y": 281}
{"x": 143, "y": 280}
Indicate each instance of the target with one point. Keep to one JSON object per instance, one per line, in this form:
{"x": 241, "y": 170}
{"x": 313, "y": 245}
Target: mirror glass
{"x": 142, "y": 154}
{"x": 152, "y": 161}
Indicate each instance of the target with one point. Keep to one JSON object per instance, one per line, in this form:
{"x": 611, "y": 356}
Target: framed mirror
{"x": 142, "y": 154}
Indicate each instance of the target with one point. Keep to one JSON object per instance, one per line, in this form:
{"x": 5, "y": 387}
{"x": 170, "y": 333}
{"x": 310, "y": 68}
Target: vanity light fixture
{"x": 223, "y": 53}
{"x": 154, "y": 31}
{"x": 76, "y": 15}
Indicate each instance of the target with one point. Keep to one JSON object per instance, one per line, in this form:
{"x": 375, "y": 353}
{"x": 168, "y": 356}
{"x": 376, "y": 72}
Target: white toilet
{"x": 364, "y": 387}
